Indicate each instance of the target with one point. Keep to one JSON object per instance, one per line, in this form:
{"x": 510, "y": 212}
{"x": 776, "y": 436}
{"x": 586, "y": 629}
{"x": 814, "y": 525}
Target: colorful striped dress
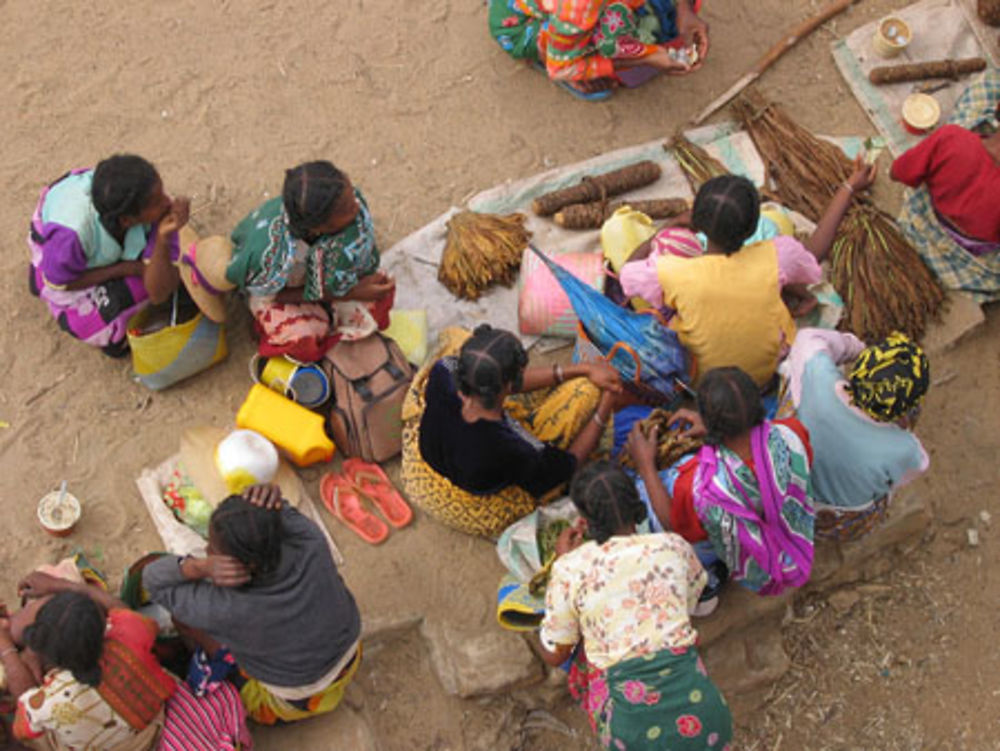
{"x": 576, "y": 40}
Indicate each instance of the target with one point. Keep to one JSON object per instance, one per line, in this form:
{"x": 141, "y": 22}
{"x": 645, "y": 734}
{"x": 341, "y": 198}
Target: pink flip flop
{"x": 341, "y": 499}
{"x": 371, "y": 481}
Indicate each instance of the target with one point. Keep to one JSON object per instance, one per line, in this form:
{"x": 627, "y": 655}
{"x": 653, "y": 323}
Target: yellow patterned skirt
{"x": 555, "y": 415}
{"x": 267, "y": 709}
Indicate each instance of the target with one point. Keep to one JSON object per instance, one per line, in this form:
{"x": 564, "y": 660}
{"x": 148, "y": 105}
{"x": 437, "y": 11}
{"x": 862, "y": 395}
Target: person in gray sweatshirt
{"x": 268, "y": 595}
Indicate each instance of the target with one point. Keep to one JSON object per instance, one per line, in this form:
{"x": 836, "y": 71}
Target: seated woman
{"x": 82, "y": 666}
{"x": 300, "y": 256}
{"x": 269, "y": 594}
{"x": 953, "y": 216}
{"x": 478, "y": 459}
{"x": 582, "y": 45}
{"x": 732, "y": 302}
{"x": 748, "y": 489}
{"x": 103, "y": 242}
{"x": 859, "y": 426}
{"x": 619, "y": 604}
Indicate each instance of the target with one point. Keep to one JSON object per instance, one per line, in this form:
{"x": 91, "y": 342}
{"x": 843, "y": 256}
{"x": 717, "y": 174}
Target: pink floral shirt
{"x": 626, "y": 598}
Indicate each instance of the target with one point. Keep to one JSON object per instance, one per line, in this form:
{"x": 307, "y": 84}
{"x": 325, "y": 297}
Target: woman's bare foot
{"x": 594, "y": 85}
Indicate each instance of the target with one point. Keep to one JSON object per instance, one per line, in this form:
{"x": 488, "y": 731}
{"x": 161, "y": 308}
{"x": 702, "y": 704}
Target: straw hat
{"x": 202, "y": 266}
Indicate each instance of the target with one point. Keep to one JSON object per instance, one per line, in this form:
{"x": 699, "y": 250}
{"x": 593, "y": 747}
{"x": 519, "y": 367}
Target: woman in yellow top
{"x": 728, "y": 302}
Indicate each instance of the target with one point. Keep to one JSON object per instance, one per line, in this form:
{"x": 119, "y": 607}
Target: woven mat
{"x": 941, "y": 30}
{"x": 414, "y": 260}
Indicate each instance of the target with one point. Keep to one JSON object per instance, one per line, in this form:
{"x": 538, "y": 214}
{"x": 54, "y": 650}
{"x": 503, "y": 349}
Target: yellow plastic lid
{"x": 921, "y": 111}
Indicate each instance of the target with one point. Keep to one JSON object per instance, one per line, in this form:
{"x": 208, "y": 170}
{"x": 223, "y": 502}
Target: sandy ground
{"x": 422, "y": 109}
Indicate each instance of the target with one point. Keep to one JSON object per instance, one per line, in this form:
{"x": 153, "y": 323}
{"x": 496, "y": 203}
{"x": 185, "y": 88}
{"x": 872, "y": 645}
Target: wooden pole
{"x": 770, "y": 57}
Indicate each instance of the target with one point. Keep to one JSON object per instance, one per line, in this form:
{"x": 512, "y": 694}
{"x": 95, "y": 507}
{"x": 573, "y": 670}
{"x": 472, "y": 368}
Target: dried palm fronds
{"x": 598, "y": 187}
{"x": 482, "y": 249}
{"x": 697, "y": 164}
{"x": 670, "y": 444}
{"x": 885, "y": 284}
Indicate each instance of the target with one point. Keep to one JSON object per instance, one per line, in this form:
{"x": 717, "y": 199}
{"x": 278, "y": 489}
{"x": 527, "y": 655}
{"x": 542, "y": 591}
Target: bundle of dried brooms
{"x": 482, "y": 249}
{"x": 885, "y": 284}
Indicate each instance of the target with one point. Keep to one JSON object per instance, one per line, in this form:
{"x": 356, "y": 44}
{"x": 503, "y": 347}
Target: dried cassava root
{"x": 593, "y": 215}
{"x": 670, "y": 445}
{"x": 884, "y": 283}
{"x": 929, "y": 69}
{"x": 482, "y": 249}
{"x": 598, "y": 187}
{"x": 989, "y": 11}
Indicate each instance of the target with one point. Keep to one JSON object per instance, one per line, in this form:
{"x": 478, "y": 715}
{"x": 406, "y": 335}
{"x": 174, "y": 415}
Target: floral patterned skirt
{"x": 659, "y": 701}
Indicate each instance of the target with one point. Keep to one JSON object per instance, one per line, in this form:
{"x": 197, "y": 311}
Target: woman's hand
{"x": 642, "y": 448}
{"x": 372, "y": 287}
{"x": 662, "y": 61}
{"x": 221, "y": 570}
{"x": 4, "y": 620}
{"x": 681, "y": 220}
{"x": 604, "y": 376}
{"x": 177, "y": 217}
{"x": 687, "y": 417}
{"x": 265, "y": 496}
{"x": 863, "y": 175}
{"x": 36, "y": 584}
{"x": 572, "y": 537}
{"x": 693, "y": 30}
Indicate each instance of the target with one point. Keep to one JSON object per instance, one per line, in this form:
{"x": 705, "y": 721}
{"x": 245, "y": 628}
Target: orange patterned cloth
{"x": 576, "y": 40}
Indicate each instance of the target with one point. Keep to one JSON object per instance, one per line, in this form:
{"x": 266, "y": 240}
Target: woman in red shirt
{"x": 953, "y": 215}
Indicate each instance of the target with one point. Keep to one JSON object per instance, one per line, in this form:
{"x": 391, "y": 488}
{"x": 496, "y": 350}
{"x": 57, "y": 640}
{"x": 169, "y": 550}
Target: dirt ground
{"x": 422, "y": 109}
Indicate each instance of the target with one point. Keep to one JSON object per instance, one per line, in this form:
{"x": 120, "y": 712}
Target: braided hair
{"x": 727, "y": 209}
{"x": 310, "y": 193}
{"x": 68, "y": 632}
{"x": 490, "y": 360}
{"x": 249, "y": 533}
{"x": 729, "y": 403}
{"x": 607, "y": 499}
{"x": 121, "y": 187}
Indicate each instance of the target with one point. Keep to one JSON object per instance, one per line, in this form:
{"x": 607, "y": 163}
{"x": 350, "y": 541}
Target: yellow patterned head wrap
{"x": 889, "y": 379}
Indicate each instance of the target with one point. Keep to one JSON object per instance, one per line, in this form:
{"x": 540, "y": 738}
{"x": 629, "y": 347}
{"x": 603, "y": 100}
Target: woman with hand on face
{"x": 301, "y": 256}
{"x": 619, "y": 603}
{"x": 268, "y": 593}
{"x": 103, "y": 244}
{"x": 82, "y": 667}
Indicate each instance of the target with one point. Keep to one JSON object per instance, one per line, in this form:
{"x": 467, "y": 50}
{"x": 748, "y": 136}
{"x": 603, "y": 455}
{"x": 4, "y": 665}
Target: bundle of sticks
{"x": 482, "y": 249}
{"x": 884, "y": 283}
{"x": 670, "y": 444}
{"x": 697, "y": 164}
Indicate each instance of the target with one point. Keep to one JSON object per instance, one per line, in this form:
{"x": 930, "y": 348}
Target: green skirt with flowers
{"x": 653, "y": 703}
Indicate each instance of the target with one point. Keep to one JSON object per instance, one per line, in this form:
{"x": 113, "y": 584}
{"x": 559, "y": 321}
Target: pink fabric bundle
{"x": 544, "y": 308}
{"x": 639, "y": 278}
{"x": 678, "y": 241}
